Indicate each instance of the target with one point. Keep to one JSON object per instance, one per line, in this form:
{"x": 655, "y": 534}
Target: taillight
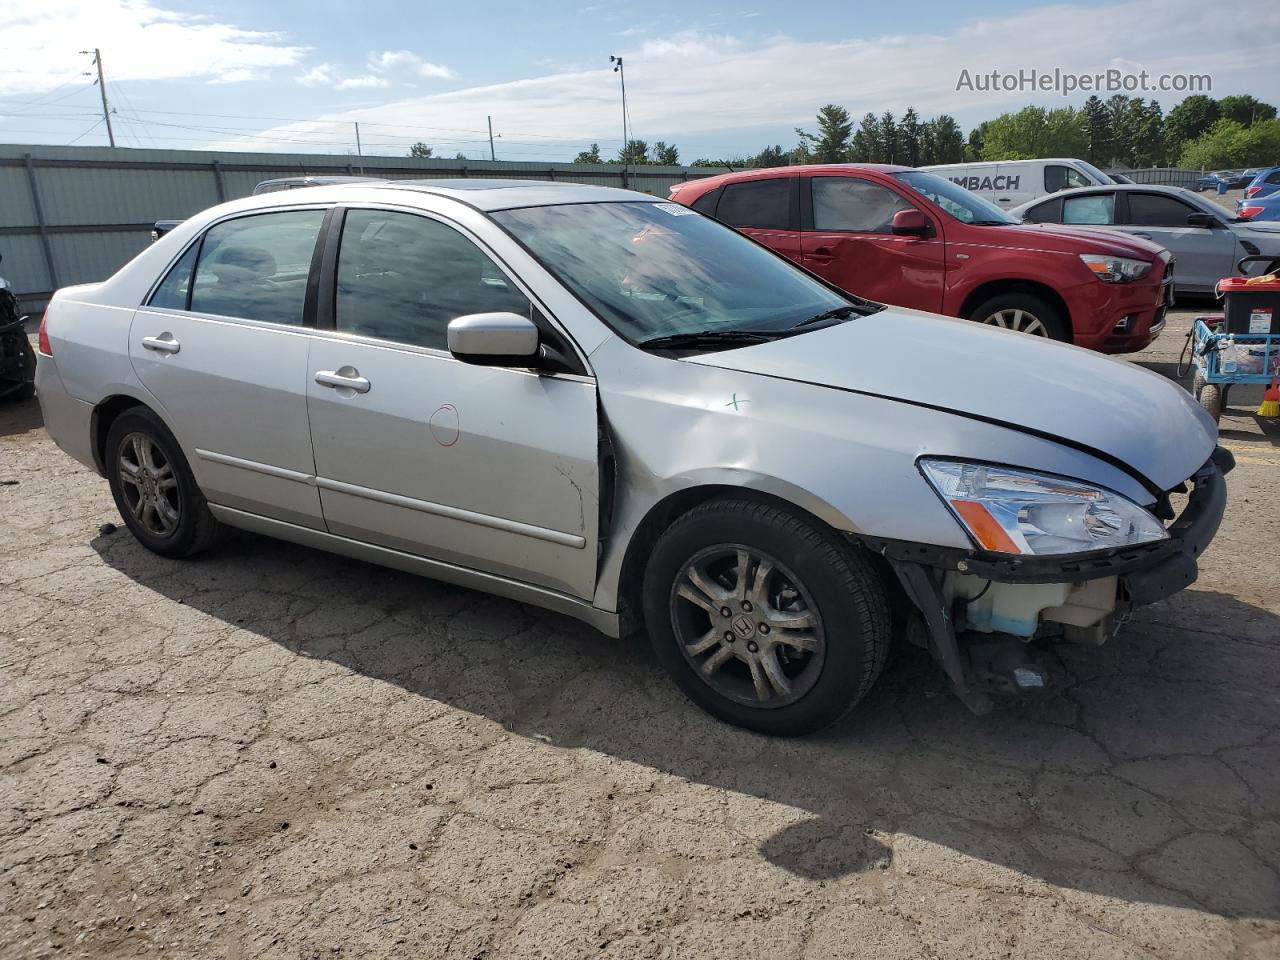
{"x": 1252, "y": 191}
{"x": 42, "y": 339}
{"x": 1250, "y": 212}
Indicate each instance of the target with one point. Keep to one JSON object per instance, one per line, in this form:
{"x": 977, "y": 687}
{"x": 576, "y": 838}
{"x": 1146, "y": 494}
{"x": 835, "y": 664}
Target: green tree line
{"x": 1120, "y": 131}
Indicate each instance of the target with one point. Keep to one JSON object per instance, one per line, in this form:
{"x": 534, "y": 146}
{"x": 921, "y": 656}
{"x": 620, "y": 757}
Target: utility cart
{"x": 1240, "y": 345}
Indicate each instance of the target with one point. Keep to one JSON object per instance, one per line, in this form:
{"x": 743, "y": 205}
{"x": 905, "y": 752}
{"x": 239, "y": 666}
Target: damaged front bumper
{"x": 1089, "y": 594}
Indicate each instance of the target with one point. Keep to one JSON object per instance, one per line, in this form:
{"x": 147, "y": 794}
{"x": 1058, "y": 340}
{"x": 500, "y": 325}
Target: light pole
{"x": 622, "y": 75}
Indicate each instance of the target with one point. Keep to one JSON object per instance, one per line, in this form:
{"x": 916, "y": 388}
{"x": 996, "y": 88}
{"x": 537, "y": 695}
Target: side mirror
{"x": 910, "y": 223}
{"x": 1206, "y": 220}
{"x": 494, "y": 340}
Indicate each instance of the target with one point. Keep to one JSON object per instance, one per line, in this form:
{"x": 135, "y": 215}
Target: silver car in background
{"x": 614, "y": 407}
{"x": 1206, "y": 240}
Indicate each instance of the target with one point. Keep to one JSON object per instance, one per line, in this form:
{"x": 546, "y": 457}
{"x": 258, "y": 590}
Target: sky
{"x": 715, "y": 79}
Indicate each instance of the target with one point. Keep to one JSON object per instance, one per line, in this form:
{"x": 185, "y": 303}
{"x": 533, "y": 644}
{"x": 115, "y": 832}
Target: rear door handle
{"x": 821, "y": 255}
{"x": 162, "y": 344}
{"x": 348, "y": 377}
{"x": 1144, "y": 236}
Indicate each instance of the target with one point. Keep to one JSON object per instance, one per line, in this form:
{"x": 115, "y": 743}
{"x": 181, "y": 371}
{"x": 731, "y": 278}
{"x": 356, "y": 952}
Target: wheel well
{"x": 996, "y": 288}
{"x": 105, "y": 414}
{"x": 666, "y": 511}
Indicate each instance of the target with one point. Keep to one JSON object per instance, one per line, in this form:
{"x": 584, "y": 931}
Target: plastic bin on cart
{"x": 1250, "y": 305}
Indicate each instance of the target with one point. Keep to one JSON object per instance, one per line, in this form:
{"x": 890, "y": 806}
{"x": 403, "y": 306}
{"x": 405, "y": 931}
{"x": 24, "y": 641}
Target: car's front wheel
{"x": 1021, "y": 313}
{"x": 154, "y": 488}
{"x": 763, "y": 618}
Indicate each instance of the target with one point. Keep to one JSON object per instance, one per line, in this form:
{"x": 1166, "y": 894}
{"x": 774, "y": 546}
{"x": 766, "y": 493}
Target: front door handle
{"x": 1144, "y": 236}
{"x": 344, "y": 377}
{"x": 162, "y": 344}
{"x": 821, "y": 255}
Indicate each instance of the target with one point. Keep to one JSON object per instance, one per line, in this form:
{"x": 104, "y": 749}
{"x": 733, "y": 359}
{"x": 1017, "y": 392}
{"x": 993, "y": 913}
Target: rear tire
{"x": 807, "y": 630}
{"x": 154, "y": 488}
{"x": 1022, "y": 313}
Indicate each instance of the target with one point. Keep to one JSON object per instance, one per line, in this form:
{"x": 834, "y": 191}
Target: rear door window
{"x": 1058, "y": 177}
{"x": 256, "y": 267}
{"x": 854, "y": 205}
{"x": 1157, "y": 210}
{"x": 1096, "y": 208}
{"x": 758, "y": 203}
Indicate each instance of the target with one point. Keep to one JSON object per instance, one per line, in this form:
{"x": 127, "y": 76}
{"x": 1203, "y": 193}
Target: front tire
{"x": 154, "y": 488}
{"x": 764, "y": 619}
{"x": 1022, "y": 313}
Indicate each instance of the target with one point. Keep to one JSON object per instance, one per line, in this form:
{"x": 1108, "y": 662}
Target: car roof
{"x": 502, "y": 194}
{"x": 763, "y": 173}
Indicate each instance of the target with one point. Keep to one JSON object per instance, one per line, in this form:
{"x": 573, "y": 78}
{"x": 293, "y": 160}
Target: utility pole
{"x": 622, "y": 75}
{"x": 492, "y": 155}
{"x": 102, "y": 89}
{"x": 359, "y": 150}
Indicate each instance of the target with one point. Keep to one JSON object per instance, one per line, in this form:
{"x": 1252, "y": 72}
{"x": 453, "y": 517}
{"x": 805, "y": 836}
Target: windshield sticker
{"x": 674, "y": 209}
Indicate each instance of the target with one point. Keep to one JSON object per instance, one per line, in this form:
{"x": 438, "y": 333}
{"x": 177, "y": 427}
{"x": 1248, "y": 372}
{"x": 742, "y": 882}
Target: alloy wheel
{"x": 1020, "y": 321}
{"x": 149, "y": 485}
{"x": 748, "y": 626}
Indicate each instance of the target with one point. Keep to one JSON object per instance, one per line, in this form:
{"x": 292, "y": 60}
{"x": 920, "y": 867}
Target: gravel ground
{"x": 272, "y": 752}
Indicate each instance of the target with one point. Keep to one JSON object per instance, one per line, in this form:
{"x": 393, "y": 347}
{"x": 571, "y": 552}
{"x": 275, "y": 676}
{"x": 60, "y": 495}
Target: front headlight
{"x": 1115, "y": 269}
{"x": 1020, "y": 512}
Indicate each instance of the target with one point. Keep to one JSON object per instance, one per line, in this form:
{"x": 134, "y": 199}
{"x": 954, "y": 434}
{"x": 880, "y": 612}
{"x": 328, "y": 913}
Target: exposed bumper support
{"x": 1145, "y": 574}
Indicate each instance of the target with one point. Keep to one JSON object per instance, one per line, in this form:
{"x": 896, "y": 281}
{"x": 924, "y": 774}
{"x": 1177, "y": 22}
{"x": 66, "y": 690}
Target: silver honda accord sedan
{"x": 611, "y": 406}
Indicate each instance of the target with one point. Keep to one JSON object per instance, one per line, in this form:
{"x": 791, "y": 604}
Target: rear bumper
{"x": 68, "y": 420}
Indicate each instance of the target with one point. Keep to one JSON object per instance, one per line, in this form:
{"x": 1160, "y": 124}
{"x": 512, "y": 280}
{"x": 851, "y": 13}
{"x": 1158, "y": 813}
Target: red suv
{"x": 913, "y": 239}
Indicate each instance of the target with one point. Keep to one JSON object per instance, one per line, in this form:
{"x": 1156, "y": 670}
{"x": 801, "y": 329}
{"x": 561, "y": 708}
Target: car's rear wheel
{"x": 154, "y": 488}
{"x": 1021, "y": 313}
{"x": 764, "y": 619}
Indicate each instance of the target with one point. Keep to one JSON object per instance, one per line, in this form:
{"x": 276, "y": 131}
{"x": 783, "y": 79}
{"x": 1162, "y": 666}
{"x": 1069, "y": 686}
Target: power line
{"x": 97, "y": 123}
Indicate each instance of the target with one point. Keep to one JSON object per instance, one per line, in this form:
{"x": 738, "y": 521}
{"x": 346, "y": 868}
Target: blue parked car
{"x": 1260, "y": 208}
{"x": 1264, "y": 184}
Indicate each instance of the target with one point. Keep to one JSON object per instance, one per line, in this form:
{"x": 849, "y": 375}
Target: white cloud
{"x": 364, "y": 82}
{"x": 239, "y": 75}
{"x": 139, "y": 41}
{"x": 719, "y": 88}
{"x": 397, "y": 59}
{"x": 379, "y": 64}
{"x": 322, "y": 75}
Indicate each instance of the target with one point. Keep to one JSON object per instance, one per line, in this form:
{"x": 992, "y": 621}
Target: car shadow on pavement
{"x": 19, "y": 416}
{"x": 1150, "y": 774}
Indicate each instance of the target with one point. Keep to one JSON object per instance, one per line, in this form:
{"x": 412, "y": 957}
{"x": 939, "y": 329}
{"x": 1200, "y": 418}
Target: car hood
{"x": 1061, "y": 239}
{"x": 1129, "y": 416}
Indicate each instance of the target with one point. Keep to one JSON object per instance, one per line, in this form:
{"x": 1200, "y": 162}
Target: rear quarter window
{"x": 1050, "y": 212}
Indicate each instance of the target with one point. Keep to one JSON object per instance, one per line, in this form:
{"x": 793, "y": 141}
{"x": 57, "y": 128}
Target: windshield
{"x": 965, "y": 206}
{"x": 1094, "y": 172}
{"x": 659, "y": 269}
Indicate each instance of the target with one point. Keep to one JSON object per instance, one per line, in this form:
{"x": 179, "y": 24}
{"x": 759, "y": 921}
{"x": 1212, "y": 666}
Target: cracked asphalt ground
{"x": 273, "y": 752}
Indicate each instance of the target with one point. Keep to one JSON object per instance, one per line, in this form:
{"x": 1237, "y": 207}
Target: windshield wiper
{"x": 835, "y": 314}
{"x": 711, "y": 338}
{"x": 992, "y": 223}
